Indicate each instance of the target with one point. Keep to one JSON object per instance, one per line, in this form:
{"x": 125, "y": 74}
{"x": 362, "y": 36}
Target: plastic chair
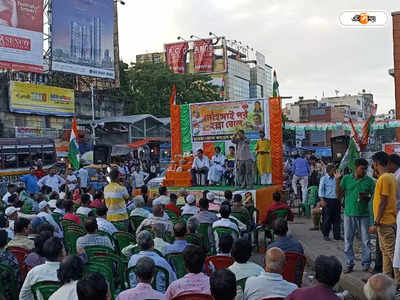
{"x": 294, "y": 267}
{"x": 20, "y": 254}
{"x": 194, "y": 297}
{"x": 70, "y": 238}
{"x": 219, "y": 262}
{"x": 42, "y": 290}
{"x": 106, "y": 271}
{"x": 272, "y": 216}
{"x": 82, "y": 217}
{"x": 27, "y": 208}
{"x": 123, "y": 239}
{"x": 154, "y": 280}
{"x": 186, "y": 217}
{"x": 205, "y": 230}
{"x": 177, "y": 263}
{"x": 135, "y": 222}
{"x": 67, "y": 224}
{"x": 57, "y": 217}
{"x": 8, "y": 281}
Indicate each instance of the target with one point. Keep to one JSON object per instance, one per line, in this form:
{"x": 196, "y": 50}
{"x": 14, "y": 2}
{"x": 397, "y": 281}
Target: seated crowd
{"x": 128, "y": 248}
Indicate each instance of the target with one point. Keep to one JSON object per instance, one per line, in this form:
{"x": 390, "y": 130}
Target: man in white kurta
{"x": 216, "y": 166}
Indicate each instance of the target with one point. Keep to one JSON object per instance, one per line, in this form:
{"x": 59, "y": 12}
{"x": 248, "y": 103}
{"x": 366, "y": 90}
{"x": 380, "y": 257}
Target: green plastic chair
{"x": 27, "y": 208}
{"x": 123, "y": 239}
{"x": 10, "y": 281}
{"x": 196, "y": 239}
{"x": 135, "y": 222}
{"x": 268, "y": 231}
{"x": 171, "y": 214}
{"x": 104, "y": 269}
{"x": 121, "y": 225}
{"x": 220, "y": 231}
{"x": 242, "y": 218}
{"x": 154, "y": 281}
{"x": 204, "y": 229}
{"x": 186, "y": 217}
{"x": 70, "y": 238}
{"x": 44, "y": 289}
{"x": 67, "y": 224}
{"x": 177, "y": 263}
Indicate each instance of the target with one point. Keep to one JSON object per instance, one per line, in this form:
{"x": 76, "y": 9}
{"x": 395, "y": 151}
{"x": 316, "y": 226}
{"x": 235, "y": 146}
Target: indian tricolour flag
{"x": 275, "y": 87}
{"x": 73, "y": 149}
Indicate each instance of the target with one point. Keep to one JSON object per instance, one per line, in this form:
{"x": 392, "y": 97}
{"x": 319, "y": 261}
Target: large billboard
{"x": 41, "y": 99}
{"x": 219, "y": 121}
{"x": 83, "y": 37}
{"x": 203, "y": 55}
{"x": 21, "y": 35}
{"x": 176, "y": 56}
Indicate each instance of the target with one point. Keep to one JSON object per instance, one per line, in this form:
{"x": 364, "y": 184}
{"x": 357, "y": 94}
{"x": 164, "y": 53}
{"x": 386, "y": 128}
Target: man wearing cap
{"x": 45, "y": 213}
{"x": 190, "y": 207}
{"x": 157, "y": 218}
{"x": 52, "y": 180}
{"x": 12, "y": 215}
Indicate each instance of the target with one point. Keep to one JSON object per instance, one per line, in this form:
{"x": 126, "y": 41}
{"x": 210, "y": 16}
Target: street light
{"x": 210, "y": 33}
{"x": 181, "y": 38}
{"x": 194, "y": 36}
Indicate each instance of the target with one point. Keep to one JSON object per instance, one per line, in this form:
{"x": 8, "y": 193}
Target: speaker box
{"x": 339, "y": 146}
{"x": 102, "y": 154}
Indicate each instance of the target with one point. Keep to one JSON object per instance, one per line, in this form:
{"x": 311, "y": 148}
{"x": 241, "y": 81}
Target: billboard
{"x": 218, "y": 121}
{"x": 41, "y": 99}
{"x": 176, "y": 56}
{"x": 203, "y": 55}
{"x": 21, "y": 35}
{"x": 83, "y": 37}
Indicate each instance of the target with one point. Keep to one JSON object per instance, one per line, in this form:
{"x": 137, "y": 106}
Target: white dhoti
{"x": 215, "y": 173}
{"x": 266, "y": 178}
{"x": 396, "y": 257}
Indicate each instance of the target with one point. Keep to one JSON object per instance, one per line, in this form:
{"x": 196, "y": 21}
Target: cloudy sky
{"x": 301, "y": 39}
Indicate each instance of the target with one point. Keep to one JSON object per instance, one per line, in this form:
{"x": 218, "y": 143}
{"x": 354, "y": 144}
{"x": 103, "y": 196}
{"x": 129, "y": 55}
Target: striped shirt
{"x": 115, "y": 196}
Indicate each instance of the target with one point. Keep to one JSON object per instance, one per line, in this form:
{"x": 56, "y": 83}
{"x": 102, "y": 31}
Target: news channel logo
{"x": 363, "y": 18}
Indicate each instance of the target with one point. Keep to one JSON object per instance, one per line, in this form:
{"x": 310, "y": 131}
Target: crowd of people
{"x": 36, "y": 210}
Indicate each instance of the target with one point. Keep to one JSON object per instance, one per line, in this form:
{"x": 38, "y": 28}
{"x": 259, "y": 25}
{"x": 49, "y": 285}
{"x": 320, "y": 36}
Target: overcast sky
{"x": 301, "y": 39}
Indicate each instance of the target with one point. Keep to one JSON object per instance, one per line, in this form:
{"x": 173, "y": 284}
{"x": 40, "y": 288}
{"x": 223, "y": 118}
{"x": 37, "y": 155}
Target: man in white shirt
{"x": 271, "y": 283}
{"x": 53, "y": 251}
{"x": 11, "y": 189}
{"x": 139, "y": 207}
{"x": 72, "y": 180}
{"x": 200, "y": 166}
{"x": 46, "y": 214}
{"x": 157, "y": 218}
{"x": 190, "y": 207}
{"x": 52, "y": 180}
{"x": 102, "y": 222}
{"x": 139, "y": 177}
{"x": 217, "y": 166}
{"x": 83, "y": 178}
{"x": 225, "y": 211}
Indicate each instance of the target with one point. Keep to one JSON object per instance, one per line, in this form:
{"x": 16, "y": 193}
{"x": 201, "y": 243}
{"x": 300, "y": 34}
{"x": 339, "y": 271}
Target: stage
{"x": 262, "y": 194}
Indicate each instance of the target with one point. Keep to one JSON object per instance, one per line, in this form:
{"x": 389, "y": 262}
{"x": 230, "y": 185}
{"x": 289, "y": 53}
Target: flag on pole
{"x": 275, "y": 87}
{"x": 366, "y": 130}
{"x": 350, "y": 156}
{"x": 172, "y": 98}
{"x": 73, "y": 149}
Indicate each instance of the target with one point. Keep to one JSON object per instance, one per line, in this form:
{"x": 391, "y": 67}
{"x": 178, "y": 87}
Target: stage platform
{"x": 262, "y": 194}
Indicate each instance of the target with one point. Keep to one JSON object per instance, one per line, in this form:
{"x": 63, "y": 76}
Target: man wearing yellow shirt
{"x": 385, "y": 211}
{"x": 115, "y": 197}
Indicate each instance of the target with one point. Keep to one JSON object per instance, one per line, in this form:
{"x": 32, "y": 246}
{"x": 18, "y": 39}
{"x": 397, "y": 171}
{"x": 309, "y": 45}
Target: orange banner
{"x": 176, "y": 147}
{"x": 208, "y": 149}
{"x": 275, "y": 117}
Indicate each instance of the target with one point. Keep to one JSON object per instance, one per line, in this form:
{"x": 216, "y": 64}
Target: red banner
{"x": 176, "y": 56}
{"x": 203, "y": 55}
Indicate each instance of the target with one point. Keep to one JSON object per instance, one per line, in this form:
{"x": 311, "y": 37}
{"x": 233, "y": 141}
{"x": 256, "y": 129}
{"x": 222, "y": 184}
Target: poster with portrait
{"x": 219, "y": 121}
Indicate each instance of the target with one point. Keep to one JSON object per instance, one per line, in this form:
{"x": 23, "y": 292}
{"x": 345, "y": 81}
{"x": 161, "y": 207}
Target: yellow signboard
{"x": 41, "y": 99}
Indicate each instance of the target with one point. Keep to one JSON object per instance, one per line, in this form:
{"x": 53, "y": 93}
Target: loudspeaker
{"x": 102, "y": 154}
{"x": 339, "y": 145}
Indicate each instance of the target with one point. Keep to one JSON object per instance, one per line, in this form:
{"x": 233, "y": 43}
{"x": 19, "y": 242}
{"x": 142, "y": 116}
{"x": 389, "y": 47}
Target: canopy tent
{"x": 143, "y": 142}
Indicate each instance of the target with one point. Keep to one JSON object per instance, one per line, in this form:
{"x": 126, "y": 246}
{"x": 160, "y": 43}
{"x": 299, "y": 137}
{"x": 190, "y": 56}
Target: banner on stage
{"x": 21, "y": 35}
{"x": 203, "y": 55}
{"x": 219, "y": 121}
{"x": 41, "y": 99}
{"x": 176, "y": 56}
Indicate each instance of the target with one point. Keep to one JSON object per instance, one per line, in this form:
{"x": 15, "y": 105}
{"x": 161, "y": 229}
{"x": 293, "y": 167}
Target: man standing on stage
{"x": 244, "y": 160}
{"x": 263, "y": 150}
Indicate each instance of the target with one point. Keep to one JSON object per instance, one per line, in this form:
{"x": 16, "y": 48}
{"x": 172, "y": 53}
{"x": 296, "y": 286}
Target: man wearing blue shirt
{"x": 331, "y": 205}
{"x": 300, "y": 171}
{"x": 180, "y": 240}
{"x": 31, "y": 182}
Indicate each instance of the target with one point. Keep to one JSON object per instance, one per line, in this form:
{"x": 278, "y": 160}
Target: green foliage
{"x": 149, "y": 87}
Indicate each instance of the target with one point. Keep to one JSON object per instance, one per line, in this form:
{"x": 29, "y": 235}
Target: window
{"x": 358, "y": 102}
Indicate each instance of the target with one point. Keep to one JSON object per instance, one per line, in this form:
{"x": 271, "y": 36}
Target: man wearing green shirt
{"x": 357, "y": 189}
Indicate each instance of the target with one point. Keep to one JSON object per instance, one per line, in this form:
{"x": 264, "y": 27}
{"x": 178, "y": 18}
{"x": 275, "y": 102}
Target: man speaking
{"x": 244, "y": 160}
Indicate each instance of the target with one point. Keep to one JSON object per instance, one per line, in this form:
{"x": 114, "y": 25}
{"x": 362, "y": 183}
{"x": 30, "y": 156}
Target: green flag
{"x": 350, "y": 156}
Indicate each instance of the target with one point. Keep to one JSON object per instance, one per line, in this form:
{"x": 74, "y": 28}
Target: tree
{"x": 149, "y": 86}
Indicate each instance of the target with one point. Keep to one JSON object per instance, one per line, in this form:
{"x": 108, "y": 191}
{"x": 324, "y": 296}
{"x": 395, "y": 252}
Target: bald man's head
{"x": 380, "y": 286}
{"x": 158, "y": 210}
{"x": 274, "y": 260}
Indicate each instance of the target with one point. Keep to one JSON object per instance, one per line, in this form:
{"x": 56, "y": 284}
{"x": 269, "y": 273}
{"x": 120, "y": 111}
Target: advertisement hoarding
{"x": 21, "y": 35}
{"x": 83, "y": 37}
{"x": 41, "y": 99}
{"x": 176, "y": 56}
{"x": 219, "y": 121}
{"x": 203, "y": 55}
